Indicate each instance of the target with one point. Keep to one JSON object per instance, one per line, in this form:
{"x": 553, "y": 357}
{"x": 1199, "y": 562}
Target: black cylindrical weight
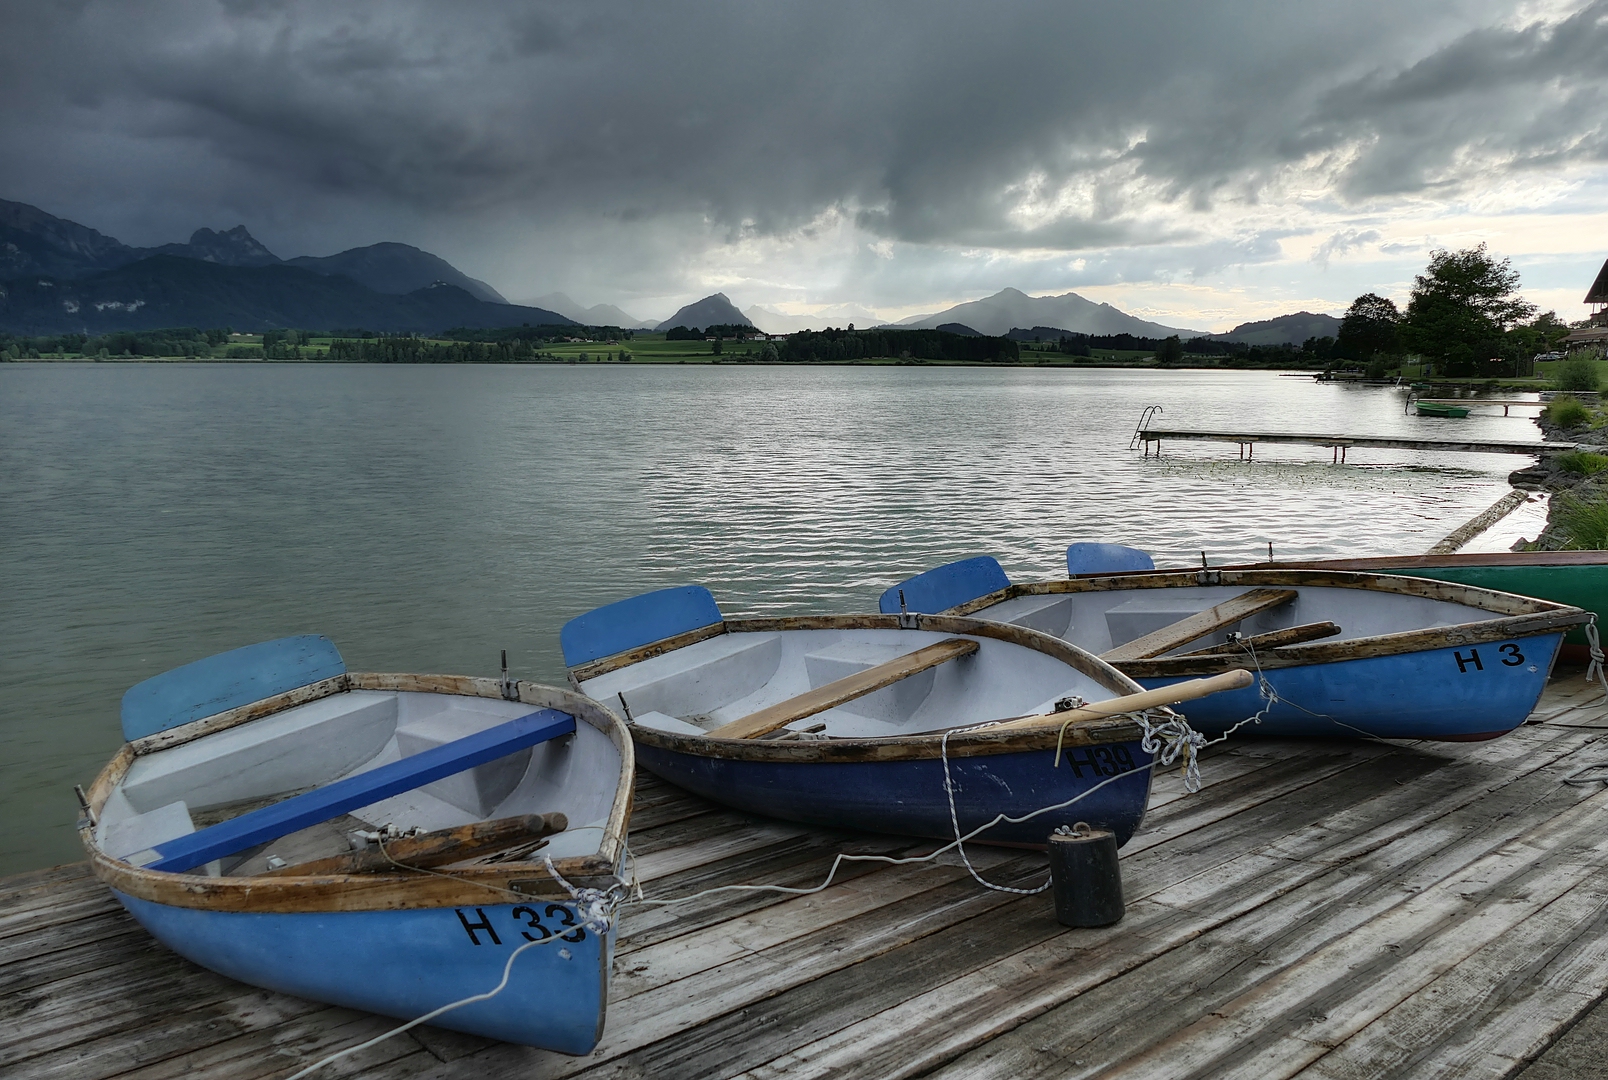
{"x": 1086, "y": 880}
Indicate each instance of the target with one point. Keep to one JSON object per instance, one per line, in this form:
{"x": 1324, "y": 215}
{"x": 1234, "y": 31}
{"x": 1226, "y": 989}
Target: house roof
{"x": 1598, "y": 293}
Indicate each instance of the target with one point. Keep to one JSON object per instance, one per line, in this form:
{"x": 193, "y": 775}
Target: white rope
{"x": 954, "y": 821}
{"x": 1166, "y": 740}
{"x": 427, "y": 1017}
{"x": 596, "y": 908}
{"x": 1594, "y": 670}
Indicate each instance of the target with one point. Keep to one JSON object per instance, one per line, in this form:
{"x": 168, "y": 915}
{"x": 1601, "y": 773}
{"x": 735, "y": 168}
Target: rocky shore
{"x": 1562, "y": 476}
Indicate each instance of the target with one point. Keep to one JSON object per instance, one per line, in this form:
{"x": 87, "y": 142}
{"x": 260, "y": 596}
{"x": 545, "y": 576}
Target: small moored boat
{"x": 868, "y": 721}
{"x": 1344, "y": 653}
{"x": 1437, "y": 408}
{"x": 382, "y": 842}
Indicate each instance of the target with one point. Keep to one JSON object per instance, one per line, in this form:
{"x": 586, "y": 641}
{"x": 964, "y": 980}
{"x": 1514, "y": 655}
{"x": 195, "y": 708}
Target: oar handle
{"x": 1237, "y": 679}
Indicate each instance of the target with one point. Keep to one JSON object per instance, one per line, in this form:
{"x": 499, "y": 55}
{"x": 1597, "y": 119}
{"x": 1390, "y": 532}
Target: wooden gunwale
{"x": 1518, "y": 616}
{"x": 917, "y": 746}
{"x": 1407, "y": 562}
{"x": 370, "y": 891}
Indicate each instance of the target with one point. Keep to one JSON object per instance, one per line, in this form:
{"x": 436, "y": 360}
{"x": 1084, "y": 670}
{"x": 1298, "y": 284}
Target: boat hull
{"x": 1480, "y": 692}
{"x": 907, "y": 796}
{"x": 407, "y": 963}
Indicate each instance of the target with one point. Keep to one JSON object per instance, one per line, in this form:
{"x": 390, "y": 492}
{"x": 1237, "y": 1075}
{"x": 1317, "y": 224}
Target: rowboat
{"x": 1340, "y": 653}
{"x": 1435, "y": 408}
{"x": 1576, "y": 578}
{"x": 870, "y": 721}
{"x": 384, "y": 842}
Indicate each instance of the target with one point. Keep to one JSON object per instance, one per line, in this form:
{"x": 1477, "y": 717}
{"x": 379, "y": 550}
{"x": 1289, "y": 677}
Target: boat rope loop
{"x": 1166, "y": 740}
{"x": 954, "y": 821}
{"x": 1594, "y": 670}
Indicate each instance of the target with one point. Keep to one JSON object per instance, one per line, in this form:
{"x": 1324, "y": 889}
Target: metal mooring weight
{"x": 1085, "y": 878}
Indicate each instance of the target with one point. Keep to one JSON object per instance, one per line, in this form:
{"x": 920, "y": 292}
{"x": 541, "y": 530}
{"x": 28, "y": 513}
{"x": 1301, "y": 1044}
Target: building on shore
{"x": 1595, "y": 332}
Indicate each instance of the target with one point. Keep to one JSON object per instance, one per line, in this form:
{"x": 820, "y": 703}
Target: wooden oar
{"x": 1237, "y": 679}
{"x": 434, "y": 848}
{"x": 1290, "y": 635}
{"x": 1198, "y": 625}
{"x": 836, "y": 693}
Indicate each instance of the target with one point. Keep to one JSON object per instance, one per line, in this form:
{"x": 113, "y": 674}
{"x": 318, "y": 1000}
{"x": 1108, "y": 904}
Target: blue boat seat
{"x": 638, "y": 620}
{"x": 1085, "y": 558}
{"x": 226, "y": 681}
{"x": 353, "y": 792}
{"x": 943, "y": 587}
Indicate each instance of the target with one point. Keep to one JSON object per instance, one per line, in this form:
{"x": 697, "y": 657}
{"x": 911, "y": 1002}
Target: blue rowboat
{"x": 1344, "y": 653}
{"x": 381, "y": 842}
{"x": 841, "y": 721}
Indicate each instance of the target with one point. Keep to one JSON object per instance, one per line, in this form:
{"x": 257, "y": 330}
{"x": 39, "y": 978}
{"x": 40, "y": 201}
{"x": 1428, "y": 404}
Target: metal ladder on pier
{"x": 1144, "y": 422}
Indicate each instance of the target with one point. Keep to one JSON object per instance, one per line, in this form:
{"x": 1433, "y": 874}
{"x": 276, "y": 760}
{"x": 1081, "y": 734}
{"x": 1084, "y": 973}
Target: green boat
{"x": 1435, "y": 408}
{"x": 1579, "y": 578}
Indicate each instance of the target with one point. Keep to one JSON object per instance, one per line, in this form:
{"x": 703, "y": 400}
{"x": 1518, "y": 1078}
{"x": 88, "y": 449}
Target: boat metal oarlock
{"x": 1086, "y": 880}
{"x": 510, "y": 688}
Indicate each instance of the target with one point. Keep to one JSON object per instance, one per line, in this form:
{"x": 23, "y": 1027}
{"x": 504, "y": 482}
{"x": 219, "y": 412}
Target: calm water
{"x": 427, "y": 517}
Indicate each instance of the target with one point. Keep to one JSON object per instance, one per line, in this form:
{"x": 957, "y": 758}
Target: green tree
{"x": 1372, "y": 325}
{"x": 1462, "y": 306}
{"x": 1170, "y": 352}
{"x": 716, "y": 347}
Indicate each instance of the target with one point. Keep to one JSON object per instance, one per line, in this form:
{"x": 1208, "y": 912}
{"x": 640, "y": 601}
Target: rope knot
{"x": 1170, "y": 738}
{"x": 595, "y": 907}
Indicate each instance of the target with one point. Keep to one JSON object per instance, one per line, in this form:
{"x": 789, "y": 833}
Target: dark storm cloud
{"x": 1018, "y": 126}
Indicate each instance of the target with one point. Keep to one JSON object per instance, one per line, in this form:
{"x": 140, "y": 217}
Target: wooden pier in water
{"x": 1505, "y": 403}
{"x": 1247, "y": 441}
{"x": 1321, "y": 909}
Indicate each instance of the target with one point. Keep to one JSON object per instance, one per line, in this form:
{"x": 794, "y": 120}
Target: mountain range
{"x": 596, "y": 315}
{"x": 57, "y": 276}
{"x": 1284, "y": 330}
{"x": 1009, "y": 308}
{"x": 62, "y": 277}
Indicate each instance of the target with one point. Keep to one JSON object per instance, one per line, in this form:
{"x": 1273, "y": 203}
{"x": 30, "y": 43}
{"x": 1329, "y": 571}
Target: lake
{"x": 428, "y": 517}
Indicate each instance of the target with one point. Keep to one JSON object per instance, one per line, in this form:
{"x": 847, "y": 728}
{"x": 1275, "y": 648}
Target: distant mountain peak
{"x": 398, "y": 269}
{"x": 998, "y": 314}
{"x": 716, "y": 309}
{"x": 233, "y": 247}
{"x": 1284, "y": 330}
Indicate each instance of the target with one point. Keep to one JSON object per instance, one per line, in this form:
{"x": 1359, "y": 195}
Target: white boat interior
{"x": 702, "y": 686}
{"x": 1102, "y": 620}
{"x": 171, "y": 793}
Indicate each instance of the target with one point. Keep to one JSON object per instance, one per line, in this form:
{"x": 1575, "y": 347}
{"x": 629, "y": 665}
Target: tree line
{"x": 826, "y": 346}
{"x": 177, "y": 341}
{"x": 1464, "y": 317}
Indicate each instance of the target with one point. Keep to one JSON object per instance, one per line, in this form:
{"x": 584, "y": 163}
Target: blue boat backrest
{"x": 1105, "y": 559}
{"x": 640, "y": 620}
{"x": 942, "y": 587}
{"x": 228, "y": 680}
{"x": 267, "y": 823}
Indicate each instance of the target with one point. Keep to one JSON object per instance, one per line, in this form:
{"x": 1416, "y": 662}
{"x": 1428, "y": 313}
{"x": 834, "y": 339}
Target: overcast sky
{"x": 1197, "y": 163}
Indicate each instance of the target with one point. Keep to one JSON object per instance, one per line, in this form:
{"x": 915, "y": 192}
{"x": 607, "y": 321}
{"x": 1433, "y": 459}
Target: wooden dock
{"x": 1247, "y": 441}
{"x": 1506, "y": 403}
{"x": 1322, "y": 909}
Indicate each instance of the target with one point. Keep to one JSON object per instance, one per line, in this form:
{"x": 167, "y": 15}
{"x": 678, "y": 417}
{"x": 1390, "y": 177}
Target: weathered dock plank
{"x": 1326, "y": 909}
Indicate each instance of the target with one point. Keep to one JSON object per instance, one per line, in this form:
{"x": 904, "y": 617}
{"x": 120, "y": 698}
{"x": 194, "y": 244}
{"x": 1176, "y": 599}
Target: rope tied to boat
{"x": 1166, "y": 740}
{"x": 596, "y": 907}
{"x": 954, "y": 817}
{"x": 1594, "y": 670}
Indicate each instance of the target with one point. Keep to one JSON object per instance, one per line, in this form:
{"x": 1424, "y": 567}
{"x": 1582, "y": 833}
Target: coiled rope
{"x": 1594, "y": 670}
